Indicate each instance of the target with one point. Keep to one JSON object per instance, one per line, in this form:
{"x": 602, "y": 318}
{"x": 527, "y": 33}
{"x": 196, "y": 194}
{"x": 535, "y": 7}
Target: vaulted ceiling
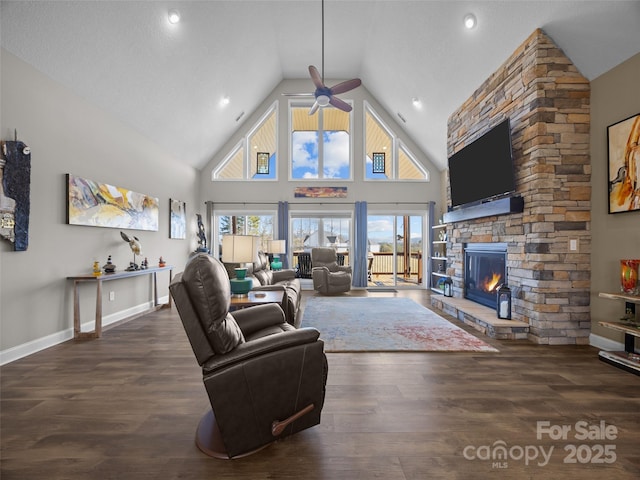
{"x": 167, "y": 80}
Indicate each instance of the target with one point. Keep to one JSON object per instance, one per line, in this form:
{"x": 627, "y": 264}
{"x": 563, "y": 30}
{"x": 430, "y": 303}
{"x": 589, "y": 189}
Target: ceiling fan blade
{"x": 314, "y": 108}
{"x": 298, "y": 94}
{"x": 346, "y": 86}
{"x": 339, "y": 104}
{"x": 315, "y": 77}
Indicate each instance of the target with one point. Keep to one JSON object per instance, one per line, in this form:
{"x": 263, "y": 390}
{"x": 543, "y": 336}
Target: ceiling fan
{"x": 326, "y": 95}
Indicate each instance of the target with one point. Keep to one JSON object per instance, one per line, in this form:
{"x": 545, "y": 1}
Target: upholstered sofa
{"x": 266, "y": 279}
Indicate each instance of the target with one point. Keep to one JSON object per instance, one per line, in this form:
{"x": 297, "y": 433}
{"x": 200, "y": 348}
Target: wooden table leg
{"x": 76, "y": 311}
{"x": 155, "y": 290}
{"x": 98, "y": 329}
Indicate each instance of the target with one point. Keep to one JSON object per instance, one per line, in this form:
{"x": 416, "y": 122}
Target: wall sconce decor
{"x": 378, "y": 162}
{"x": 503, "y": 307}
{"x": 262, "y": 166}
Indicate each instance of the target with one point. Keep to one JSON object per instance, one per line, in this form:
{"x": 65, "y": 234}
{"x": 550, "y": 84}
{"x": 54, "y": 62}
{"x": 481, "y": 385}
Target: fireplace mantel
{"x": 502, "y": 206}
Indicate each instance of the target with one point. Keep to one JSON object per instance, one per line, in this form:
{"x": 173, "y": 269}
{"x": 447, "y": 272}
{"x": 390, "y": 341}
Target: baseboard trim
{"x": 604, "y": 343}
{"x": 20, "y": 351}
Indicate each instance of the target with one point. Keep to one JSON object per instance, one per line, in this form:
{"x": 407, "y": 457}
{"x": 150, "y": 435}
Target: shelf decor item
{"x": 629, "y": 276}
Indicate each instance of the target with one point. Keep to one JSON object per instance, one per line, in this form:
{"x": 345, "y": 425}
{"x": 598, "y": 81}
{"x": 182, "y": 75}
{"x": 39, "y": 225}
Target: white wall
{"x": 66, "y": 134}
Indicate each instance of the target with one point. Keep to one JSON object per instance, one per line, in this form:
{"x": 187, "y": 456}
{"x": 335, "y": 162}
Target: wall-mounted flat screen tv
{"x": 484, "y": 168}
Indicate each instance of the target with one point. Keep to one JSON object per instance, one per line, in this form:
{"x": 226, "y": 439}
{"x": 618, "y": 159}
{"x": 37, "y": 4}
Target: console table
{"x": 105, "y": 277}
{"x": 628, "y": 359}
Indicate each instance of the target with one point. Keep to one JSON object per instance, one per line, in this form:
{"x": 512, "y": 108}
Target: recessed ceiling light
{"x": 416, "y": 102}
{"x": 470, "y": 21}
{"x": 174, "y": 16}
{"x": 225, "y": 100}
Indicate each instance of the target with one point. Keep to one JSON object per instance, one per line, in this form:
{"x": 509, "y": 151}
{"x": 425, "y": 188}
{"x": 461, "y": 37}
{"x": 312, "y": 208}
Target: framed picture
{"x": 623, "y": 140}
{"x": 262, "y": 166}
{"x": 320, "y": 192}
{"x": 95, "y": 204}
{"x": 378, "y": 162}
{"x": 177, "y": 219}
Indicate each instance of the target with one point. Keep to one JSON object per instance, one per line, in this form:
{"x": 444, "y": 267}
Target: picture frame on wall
{"x": 623, "y": 139}
{"x": 177, "y": 219}
{"x": 97, "y": 204}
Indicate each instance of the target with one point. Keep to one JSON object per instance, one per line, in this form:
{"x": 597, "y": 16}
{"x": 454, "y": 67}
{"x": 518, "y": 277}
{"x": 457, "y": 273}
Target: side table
{"x": 77, "y": 333}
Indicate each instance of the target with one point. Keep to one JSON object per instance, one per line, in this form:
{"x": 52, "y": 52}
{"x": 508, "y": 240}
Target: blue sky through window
{"x": 305, "y": 150}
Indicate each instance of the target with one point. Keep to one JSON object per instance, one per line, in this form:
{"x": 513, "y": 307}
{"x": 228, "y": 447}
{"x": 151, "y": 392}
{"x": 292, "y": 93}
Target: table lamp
{"x": 277, "y": 247}
{"x": 240, "y": 249}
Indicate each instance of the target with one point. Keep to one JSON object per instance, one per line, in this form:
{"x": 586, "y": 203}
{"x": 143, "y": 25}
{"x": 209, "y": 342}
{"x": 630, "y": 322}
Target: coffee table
{"x": 257, "y": 298}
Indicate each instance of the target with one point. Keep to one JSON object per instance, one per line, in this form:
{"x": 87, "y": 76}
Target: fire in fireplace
{"x": 485, "y": 270}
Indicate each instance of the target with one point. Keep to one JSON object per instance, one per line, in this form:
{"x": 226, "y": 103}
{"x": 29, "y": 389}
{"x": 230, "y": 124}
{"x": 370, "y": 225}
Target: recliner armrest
{"x": 284, "y": 275}
{"x": 261, "y": 346}
{"x": 252, "y": 319}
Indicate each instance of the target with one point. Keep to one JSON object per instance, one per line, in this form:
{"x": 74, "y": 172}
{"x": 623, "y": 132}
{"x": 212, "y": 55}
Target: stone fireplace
{"x": 547, "y": 101}
{"x": 485, "y": 269}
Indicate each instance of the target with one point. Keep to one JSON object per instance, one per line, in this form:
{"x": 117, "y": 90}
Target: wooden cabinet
{"x": 438, "y": 259}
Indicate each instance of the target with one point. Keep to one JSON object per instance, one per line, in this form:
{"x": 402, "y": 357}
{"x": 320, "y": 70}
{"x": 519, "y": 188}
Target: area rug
{"x": 367, "y": 324}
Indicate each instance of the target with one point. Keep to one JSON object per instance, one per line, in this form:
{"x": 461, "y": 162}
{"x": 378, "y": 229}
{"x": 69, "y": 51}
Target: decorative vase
{"x": 629, "y": 276}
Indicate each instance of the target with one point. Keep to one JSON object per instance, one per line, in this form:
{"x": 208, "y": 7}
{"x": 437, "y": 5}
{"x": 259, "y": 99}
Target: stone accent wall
{"x": 547, "y": 101}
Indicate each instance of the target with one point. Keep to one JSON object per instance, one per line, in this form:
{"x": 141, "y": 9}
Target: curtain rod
{"x": 321, "y": 203}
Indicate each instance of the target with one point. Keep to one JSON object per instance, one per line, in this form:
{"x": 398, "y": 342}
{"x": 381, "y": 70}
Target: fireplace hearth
{"x": 485, "y": 269}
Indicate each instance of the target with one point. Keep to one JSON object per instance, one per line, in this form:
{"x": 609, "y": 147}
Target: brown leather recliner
{"x": 328, "y": 277}
{"x": 265, "y": 379}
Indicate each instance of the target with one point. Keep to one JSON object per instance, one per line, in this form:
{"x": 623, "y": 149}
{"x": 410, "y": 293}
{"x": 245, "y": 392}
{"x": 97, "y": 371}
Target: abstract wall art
{"x": 15, "y": 186}
{"x": 624, "y": 165}
{"x": 177, "y": 219}
{"x": 320, "y": 192}
{"x": 95, "y": 204}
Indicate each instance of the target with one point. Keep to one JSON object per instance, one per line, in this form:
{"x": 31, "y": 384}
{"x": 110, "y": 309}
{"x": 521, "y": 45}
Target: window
{"x": 254, "y": 157}
{"x": 258, "y": 224}
{"x": 321, "y": 230}
{"x": 231, "y": 167}
{"x": 320, "y": 143}
{"x": 386, "y": 157}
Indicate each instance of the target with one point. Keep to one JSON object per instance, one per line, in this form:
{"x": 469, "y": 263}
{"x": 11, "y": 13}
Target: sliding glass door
{"x": 395, "y": 250}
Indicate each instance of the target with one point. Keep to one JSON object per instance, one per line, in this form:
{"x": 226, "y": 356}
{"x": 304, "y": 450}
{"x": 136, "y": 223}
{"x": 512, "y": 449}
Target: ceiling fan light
{"x": 323, "y": 100}
{"x": 470, "y": 21}
{"x": 174, "y": 16}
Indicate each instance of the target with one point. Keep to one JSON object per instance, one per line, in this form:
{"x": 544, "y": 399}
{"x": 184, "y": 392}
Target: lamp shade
{"x": 277, "y": 246}
{"x": 239, "y": 248}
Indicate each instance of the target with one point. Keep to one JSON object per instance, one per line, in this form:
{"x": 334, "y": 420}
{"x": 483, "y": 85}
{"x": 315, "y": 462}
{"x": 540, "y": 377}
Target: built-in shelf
{"x": 628, "y": 359}
{"x": 502, "y": 206}
{"x": 438, "y": 258}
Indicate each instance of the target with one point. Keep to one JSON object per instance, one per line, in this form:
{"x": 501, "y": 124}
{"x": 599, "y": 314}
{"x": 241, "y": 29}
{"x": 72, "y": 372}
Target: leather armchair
{"x": 328, "y": 277}
{"x": 265, "y": 379}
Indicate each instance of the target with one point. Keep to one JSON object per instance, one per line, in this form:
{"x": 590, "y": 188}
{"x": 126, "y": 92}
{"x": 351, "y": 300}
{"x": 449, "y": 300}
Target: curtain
{"x": 360, "y": 246}
{"x": 283, "y": 229}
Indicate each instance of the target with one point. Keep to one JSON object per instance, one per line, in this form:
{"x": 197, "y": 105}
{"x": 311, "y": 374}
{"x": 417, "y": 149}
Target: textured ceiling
{"x": 166, "y": 80}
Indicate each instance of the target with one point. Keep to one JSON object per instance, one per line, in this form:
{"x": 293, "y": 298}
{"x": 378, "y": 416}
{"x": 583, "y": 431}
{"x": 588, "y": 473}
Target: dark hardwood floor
{"x": 126, "y": 406}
